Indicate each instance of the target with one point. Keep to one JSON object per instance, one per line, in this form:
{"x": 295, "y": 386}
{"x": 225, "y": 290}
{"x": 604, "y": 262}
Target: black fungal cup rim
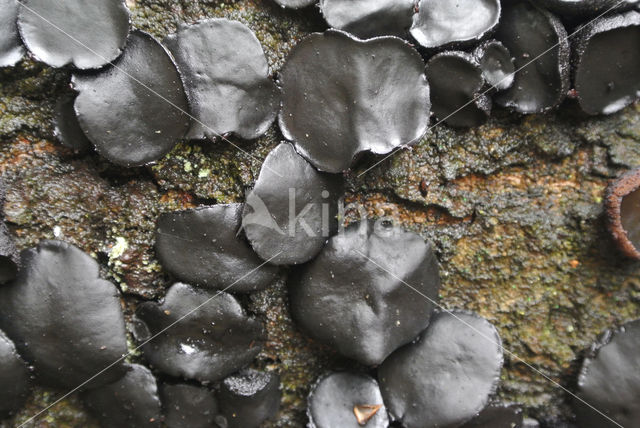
{"x": 287, "y": 134}
{"x": 561, "y": 48}
{"x": 71, "y": 65}
{"x": 603, "y": 24}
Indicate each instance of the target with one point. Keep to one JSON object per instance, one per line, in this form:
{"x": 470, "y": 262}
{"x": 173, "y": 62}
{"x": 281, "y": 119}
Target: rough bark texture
{"x": 513, "y": 207}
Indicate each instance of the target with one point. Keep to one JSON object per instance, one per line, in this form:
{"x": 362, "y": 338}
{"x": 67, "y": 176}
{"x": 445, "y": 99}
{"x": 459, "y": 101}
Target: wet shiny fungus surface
{"x": 216, "y": 339}
{"x": 86, "y": 34}
{"x": 496, "y": 63}
{"x": 497, "y": 416}
{"x": 64, "y": 320}
{"x": 440, "y": 23}
{"x": 447, "y": 376}
{"x": 538, "y": 42}
{"x": 226, "y": 78}
{"x": 134, "y": 111}
{"x": 369, "y": 18}
{"x": 202, "y": 246}
{"x": 343, "y": 96}
{"x": 610, "y": 380}
{"x": 130, "y": 402}
{"x": 607, "y": 63}
{"x": 361, "y": 294}
{"x": 457, "y": 84}
{"x": 288, "y": 181}
{"x": 67, "y": 129}
{"x": 337, "y": 398}
{"x": 248, "y": 398}
{"x": 186, "y": 405}
{"x": 14, "y": 377}
{"x": 11, "y": 49}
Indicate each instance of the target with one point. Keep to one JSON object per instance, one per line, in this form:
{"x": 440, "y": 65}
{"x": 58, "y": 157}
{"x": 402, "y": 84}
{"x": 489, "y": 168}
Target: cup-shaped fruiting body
{"x": 371, "y": 290}
{"x": 346, "y": 400}
{"x": 203, "y": 246}
{"x": 496, "y": 63}
{"x": 129, "y": 402}
{"x": 342, "y": 96}
{"x": 292, "y": 209}
{"x": 11, "y": 49}
{"x": 135, "y": 110}
{"x": 609, "y": 382}
{"x": 457, "y": 85}
{"x": 226, "y": 77}
{"x": 623, "y": 213}
{"x": 607, "y": 63}
{"x": 65, "y": 321}
{"x": 81, "y": 33}
{"x": 539, "y": 44}
{"x": 210, "y": 336}
{"x": 447, "y": 376}
{"x": 440, "y": 23}
{"x": 14, "y": 378}
{"x": 369, "y": 18}
{"x": 248, "y": 398}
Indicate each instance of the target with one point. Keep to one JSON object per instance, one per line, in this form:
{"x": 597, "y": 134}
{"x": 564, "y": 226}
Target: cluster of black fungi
{"x": 369, "y": 290}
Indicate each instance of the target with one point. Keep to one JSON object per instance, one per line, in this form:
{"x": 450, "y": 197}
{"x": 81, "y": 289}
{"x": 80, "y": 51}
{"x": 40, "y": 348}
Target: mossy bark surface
{"x": 514, "y": 208}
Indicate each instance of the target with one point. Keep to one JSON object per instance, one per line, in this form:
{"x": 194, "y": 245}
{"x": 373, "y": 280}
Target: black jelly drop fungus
{"x": 609, "y": 381}
{"x": 65, "y": 321}
{"x": 362, "y": 293}
{"x": 9, "y": 255}
{"x": 607, "y": 63}
{"x": 338, "y": 399}
{"x": 422, "y": 386}
{"x": 369, "y": 18}
{"x": 133, "y": 111}
{"x": 441, "y": 23}
{"x": 66, "y": 126}
{"x": 226, "y": 78}
{"x": 11, "y": 49}
{"x": 497, "y": 416}
{"x": 342, "y": 96}
{"x": 14, "y": 378}
{"x": 86, "y": 34}
{"x": 622, "y": 203}
{"x": 457, "y": 83}
{"x": 201, "y": 246}
{"x": 496, "y": 63}
{"x": 248, "y": 398}
{"x": 538, "y": 42}
{"x": 213, "y": 338}
{"x": 186, "y": 405}
{"x": 287, "y": 181}
{"x": 129, "y": 402}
